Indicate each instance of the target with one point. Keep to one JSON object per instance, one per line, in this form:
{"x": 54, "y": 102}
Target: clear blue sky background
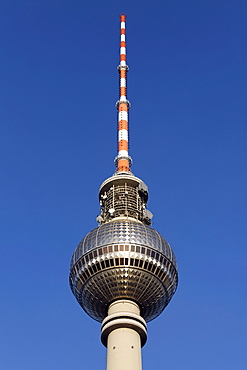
{"x": 187, "y": 86}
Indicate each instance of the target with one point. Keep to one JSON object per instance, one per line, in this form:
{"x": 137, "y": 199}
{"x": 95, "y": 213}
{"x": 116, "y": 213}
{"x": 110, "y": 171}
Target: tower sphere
{"x": 123, "y": 258}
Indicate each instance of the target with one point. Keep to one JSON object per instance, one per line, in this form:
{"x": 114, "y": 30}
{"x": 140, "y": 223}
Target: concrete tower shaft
{"x": 124, "y": 332}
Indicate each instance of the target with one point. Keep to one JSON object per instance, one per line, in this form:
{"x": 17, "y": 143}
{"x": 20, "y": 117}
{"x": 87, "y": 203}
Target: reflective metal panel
{"x": 123, "y": 259}
{"x": 123, "y": 231}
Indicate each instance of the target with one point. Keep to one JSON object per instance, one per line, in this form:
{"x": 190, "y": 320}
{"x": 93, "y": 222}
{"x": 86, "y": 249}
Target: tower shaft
{"x": 123, "y": 331}
{"x": 124, "y": 350}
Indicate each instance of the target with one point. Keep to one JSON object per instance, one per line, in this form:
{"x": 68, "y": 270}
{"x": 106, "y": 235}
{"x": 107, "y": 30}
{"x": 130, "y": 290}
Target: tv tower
{"x": 123, "y": 273}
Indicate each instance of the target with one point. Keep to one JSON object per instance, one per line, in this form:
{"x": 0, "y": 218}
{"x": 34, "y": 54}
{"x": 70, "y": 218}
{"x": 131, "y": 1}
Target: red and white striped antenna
{"x": 123, "y": 160}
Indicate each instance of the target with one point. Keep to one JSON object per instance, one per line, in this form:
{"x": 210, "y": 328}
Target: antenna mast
{"x": 123, "y": 160}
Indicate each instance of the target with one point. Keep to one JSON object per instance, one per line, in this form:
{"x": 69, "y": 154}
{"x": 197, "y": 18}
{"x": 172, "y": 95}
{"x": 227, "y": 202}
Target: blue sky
{"x": 187, "y": 87}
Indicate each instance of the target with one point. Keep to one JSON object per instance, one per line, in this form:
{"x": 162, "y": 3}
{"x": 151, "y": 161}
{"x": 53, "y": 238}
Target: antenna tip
{"x": 122, "y": 17}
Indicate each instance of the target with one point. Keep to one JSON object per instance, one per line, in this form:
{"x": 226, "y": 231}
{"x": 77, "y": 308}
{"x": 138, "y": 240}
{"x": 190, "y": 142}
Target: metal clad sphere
{"x": 123, "y": 259}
